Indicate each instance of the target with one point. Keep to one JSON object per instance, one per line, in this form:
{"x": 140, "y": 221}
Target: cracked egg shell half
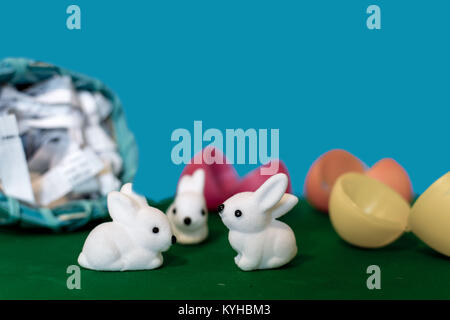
{"x": 430, "y": 216}
{"x": 390, "y": 172}
{"x": 367, "y": 213}
{"x": 323, "y": 173}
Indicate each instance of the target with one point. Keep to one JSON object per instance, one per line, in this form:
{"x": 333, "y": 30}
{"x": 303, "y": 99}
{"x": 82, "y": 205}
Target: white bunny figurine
{"x": 188, "y": 215}
{"x": 134, "y": 239}
{"x": 261, "y": 241}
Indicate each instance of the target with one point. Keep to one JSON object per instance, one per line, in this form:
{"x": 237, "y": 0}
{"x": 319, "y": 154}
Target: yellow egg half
{"x": 430, "y": 216}
{"x": 367, "y": 213}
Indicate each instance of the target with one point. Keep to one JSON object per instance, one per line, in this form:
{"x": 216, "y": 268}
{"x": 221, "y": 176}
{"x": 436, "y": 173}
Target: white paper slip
{"x": 98, "y": 139}
{"x": 87, "y": 187}
{"x": 95, "y": 105}
{"x": 104, "y": 106}
{"x": 89, "y": 106}
{"x": 14, "y": 175}
{"x": 56, "y": 90}
{"x": 113, "y": 159}
{"x": 13, "y": 101}
{"x": 108, "y": 183}
{"x": 53, "y": 146}
{"x": 70, "y": 120}
{"x": 78, "y": 167}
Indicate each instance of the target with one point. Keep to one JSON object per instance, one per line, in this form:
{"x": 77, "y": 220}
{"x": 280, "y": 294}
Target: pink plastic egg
{"x": 220, "y": 177}
{"x": 256, "y": 178}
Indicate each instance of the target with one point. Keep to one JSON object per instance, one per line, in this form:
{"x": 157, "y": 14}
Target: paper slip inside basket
{"x": 78, "y": 167}
{"x": 14, "y": 175}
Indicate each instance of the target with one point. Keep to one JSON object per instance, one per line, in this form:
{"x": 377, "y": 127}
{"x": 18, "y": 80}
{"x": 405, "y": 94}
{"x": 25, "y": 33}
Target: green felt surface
{"x": 33, "y": 266}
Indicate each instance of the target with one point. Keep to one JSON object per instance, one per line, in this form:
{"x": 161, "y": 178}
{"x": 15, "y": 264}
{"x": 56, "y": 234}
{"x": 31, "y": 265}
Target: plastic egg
{"x": 324, "y": 172}
{"x": 430, "y": 216}
{"x": 254, "y": 179}
{"x": 391, "y": 173}
{"x": 367, "y": 213}
{"x": 220, "y": 177}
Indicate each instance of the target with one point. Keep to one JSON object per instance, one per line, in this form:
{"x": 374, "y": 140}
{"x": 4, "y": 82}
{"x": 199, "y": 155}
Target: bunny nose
{"x": 187, "y": 221}
{"x": 174, "y": 239}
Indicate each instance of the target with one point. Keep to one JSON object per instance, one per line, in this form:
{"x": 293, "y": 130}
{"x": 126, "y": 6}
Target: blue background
{"x": 311, "y": 69}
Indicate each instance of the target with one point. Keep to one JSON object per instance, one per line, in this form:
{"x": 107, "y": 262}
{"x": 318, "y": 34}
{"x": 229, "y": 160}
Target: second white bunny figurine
{"x": 188, "y": 215}
{"x": 261, "y": 241}
{"x": 134, "y": 239}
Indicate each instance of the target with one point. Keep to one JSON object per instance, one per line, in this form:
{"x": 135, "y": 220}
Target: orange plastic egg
{"x": 391, "y": 173}
{"x": 324, "y": 172}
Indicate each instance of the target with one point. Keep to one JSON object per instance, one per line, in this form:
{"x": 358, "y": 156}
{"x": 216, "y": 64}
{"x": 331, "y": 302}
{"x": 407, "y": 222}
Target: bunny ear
{"x": 287, "y": 202}
{"x": 270, "y": 193}
{"x": 122, "y": 208}
{"x": 184, "y": 184}
{"x": 199, "y": 179}
{"x": 192, "y": 183}
{"x": 127, "y": 189}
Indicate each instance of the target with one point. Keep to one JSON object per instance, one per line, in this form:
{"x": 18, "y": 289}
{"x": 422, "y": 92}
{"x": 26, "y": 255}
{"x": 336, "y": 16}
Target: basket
{"x": 74, "y": 214}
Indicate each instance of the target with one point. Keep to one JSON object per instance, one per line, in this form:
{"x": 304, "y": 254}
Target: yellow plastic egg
{"x": 367, "y": 213}
{"x": 430, "y": 216}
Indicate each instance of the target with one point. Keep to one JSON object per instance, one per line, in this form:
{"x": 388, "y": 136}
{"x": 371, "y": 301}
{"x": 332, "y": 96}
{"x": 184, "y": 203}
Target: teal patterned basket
{"x": 74, "y": 214}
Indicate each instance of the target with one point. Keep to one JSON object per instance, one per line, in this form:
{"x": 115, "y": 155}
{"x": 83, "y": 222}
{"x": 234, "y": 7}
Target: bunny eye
{"x": 155, "y": 230}
{"x": 174, "y": 210}
{"x": 220, "y": 207}
{"x": 238, "y": 213}
{"x": 203, "y": 212}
